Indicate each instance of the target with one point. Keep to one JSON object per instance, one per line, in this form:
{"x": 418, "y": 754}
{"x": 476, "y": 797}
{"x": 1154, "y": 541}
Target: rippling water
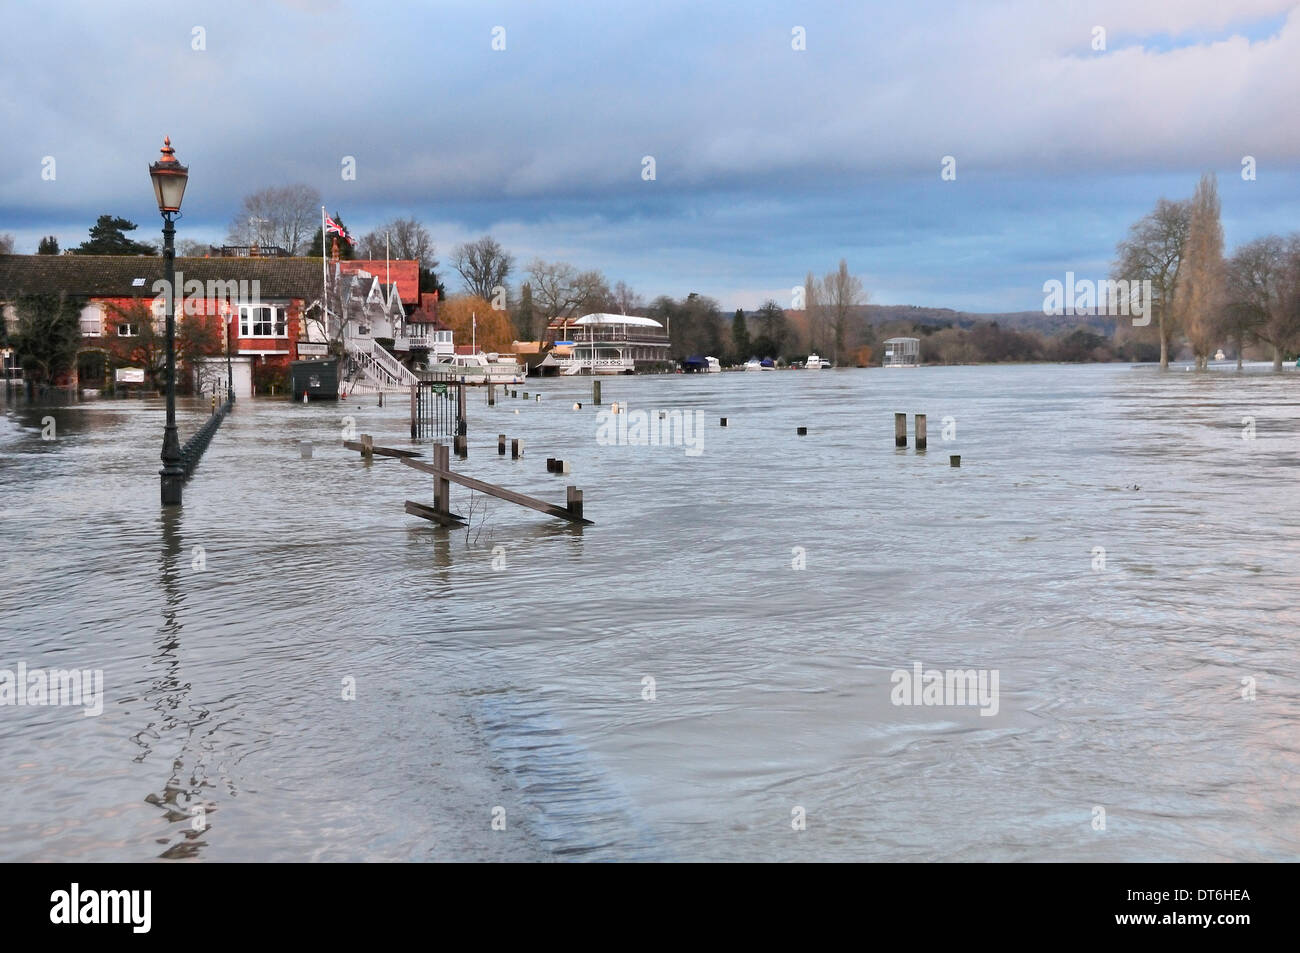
{"x": 521, "y": 686}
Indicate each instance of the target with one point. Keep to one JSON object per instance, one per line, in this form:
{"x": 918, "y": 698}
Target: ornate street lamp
{"x": 169, "y": 178}
{"x": 230, "y": 374}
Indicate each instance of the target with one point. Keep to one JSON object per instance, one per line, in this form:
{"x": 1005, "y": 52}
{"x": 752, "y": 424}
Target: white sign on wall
{"x": 129, "y": 375}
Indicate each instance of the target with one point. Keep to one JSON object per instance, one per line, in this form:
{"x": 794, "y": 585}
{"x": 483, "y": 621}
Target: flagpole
{"x": 324, "y": 282}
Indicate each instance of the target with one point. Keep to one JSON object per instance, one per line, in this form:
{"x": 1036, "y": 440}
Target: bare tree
{"x": 816, "y": 314}
{"x": 1154, "y": 251}
{"x": 284, "y": 215}
{"x": 6, "y": 244}
{"x": 483, "y": 264}
{"x": 555, "y": 288}
{"x": 593, "y": 293}
{"x": 625, "y": 299}
{"x": 1262, "y": 287}
{"x": 1199, "y": 300}
{"x": 407, "y": 239}
{"x": 841, "y": 292}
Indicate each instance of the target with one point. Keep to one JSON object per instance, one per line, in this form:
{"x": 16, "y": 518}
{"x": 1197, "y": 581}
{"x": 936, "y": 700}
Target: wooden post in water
{"x": 722, "y": 422}
{"x": 595, "y": 393}
{"x": 900, "y": 430}
{"x": 367, "y": 446}
{"x": 920, "y": 433}
{"x": 462, "y": 426}
{"x": 415, "y": 390}
{"x": 501, "y": 444}
{"x": 574, "y": 501}
{"x": 802, "y": 431}
{"x": 462, "y": 445}
{"x": 492, "y": 395}
{"x": 441, "y": 487}
{"x": 516, "y": 448}
{"x": 381, "y": 398}
{"x": 954, "y": 460}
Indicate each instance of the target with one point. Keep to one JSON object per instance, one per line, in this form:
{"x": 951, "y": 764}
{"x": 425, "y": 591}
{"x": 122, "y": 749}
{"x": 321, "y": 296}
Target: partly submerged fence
{"x": 194, "y": 447}
{"x": 438, "y": 405}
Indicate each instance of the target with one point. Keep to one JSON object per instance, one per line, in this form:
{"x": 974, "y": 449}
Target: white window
{"x": 128, "y": 330}
{"x": 262, "y": 321}
{"x": 92, "y": 321}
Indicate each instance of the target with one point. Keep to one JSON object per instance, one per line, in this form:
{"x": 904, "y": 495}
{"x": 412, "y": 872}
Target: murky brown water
{"x": 521, "y": 686}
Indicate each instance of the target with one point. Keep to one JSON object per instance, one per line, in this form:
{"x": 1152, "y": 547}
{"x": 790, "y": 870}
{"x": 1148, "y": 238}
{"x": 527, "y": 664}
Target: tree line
{"x": 1205, "y": 298}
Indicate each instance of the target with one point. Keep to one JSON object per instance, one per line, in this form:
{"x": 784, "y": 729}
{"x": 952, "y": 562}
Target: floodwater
{"x": 666, "y": 684}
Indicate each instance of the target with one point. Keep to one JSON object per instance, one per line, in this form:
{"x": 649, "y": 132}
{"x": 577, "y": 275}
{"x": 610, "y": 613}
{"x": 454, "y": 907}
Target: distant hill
{"x": 877, "y": 314}
{"x": 1046, "y": 324}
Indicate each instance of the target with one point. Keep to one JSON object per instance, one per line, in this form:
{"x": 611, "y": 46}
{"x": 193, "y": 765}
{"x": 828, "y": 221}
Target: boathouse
{"x": 902, "y": 352}
{"x": 606, "y": 344}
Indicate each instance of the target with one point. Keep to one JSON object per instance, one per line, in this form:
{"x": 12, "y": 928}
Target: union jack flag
{"x": 334, "y": 227}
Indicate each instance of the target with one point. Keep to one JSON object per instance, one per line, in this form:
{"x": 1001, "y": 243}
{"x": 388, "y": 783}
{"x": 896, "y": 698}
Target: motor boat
{"x": 484, "y": 368}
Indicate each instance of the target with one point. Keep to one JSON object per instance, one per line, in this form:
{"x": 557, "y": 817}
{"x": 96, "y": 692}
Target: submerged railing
{"x": 194, "y": 447}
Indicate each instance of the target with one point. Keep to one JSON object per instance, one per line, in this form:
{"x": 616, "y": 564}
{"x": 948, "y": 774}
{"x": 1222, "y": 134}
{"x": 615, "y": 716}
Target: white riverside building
{"x": 902, "y": 352}
{"x": 606, "y": 344}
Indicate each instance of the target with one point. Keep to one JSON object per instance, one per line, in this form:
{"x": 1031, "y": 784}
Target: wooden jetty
{"x": 368, "y": 449}
{"x": 443, "y": 475}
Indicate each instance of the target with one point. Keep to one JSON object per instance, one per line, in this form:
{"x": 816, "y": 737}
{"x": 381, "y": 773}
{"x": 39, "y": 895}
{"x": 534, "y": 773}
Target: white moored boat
{"x": 815, "y": 363}
{"x": 482, "y": 368}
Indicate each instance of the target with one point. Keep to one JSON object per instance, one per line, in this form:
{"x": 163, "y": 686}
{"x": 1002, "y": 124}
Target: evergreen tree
{"x": 49, "y": 246}
{"x": 429, "y": 282}
{"x": 525, "y": 315}
{"x": 347, "y": 250}
{"x": 740, "y": 343}
{"x": 108, "y": 237}
{"x": 47, "y": 337}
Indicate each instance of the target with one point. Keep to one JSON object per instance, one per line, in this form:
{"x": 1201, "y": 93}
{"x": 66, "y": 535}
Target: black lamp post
{"x": 230, "y": 373}
{"x": 169, "y": 178}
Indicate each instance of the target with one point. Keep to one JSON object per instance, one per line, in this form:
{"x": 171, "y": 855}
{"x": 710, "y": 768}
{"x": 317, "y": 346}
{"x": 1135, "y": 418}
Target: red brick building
{"x": 254, "y": 304}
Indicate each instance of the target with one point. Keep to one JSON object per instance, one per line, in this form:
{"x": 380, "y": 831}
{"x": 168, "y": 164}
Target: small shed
{"x": 902, "y": 352}
{"x": 319, "y": 380}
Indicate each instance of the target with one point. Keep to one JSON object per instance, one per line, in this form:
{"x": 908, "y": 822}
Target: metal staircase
{"x": 371, "y": 369}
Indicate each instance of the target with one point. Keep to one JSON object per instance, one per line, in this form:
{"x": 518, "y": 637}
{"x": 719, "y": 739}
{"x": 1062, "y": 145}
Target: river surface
{"x": 668, "y": 684}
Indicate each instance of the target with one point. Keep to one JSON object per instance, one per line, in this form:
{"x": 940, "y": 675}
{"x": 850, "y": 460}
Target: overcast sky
{"x": 769, "y": 161}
